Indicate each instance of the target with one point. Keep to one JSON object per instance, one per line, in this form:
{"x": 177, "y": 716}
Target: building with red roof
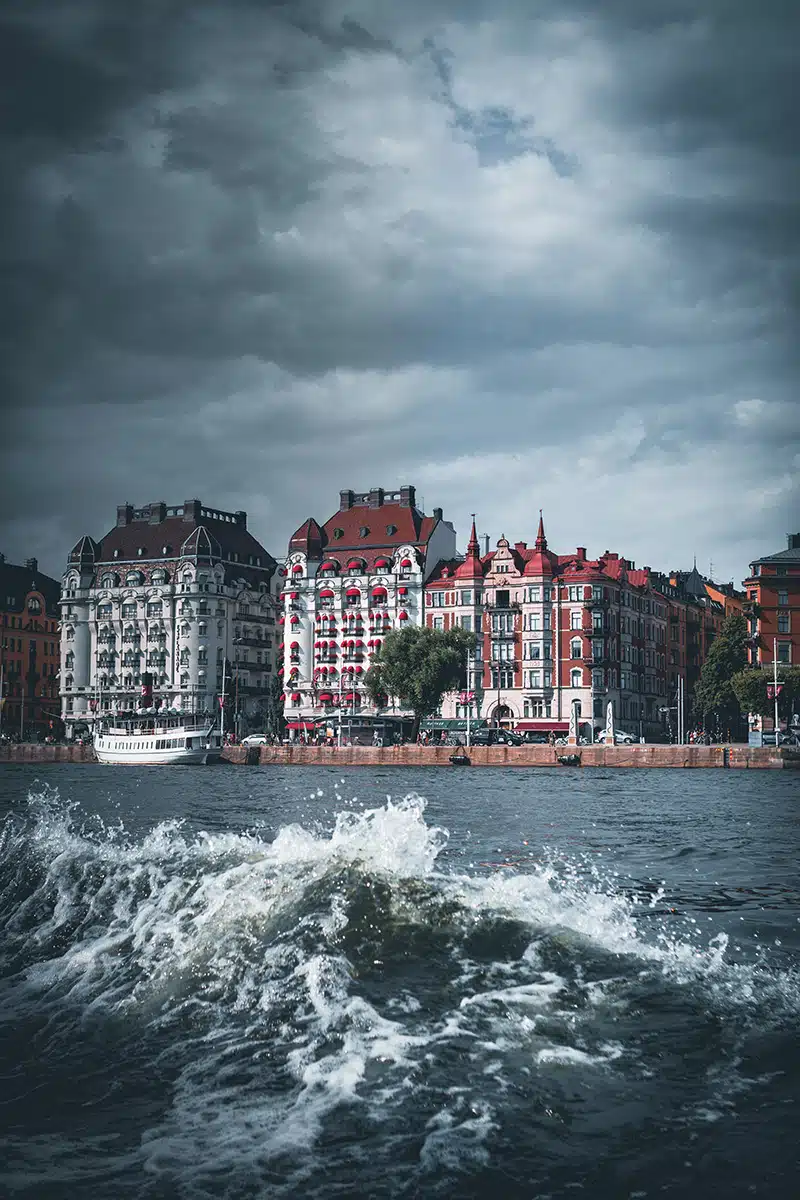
{"x": 347, "y": 582}
{"x": 563, "y": 631}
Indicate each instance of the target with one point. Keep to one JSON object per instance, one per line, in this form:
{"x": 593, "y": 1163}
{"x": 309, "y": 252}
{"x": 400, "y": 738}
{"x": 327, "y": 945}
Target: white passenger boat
{"x": 150, "y": 740}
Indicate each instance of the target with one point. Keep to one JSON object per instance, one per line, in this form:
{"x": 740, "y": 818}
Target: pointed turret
{"x": 541, "y": 540}
{"x": 471, "y": 567}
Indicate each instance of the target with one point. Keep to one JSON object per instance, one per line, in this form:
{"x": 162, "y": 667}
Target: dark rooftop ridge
{"x": 190, "y": 511}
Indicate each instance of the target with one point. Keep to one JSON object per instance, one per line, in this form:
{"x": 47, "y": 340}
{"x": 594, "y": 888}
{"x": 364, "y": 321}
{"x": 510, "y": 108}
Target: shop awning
{"x": 304, "y": 725}
{"x": 447, "y": 723}
{"x": 544, "y": 726}
{"x": 325, "y": 698}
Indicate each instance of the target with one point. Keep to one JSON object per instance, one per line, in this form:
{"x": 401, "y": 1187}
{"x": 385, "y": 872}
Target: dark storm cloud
{"x": 262, "y": 251}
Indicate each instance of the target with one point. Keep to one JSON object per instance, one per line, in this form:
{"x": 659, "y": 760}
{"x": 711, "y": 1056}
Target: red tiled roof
{"x": 411, "y": 528}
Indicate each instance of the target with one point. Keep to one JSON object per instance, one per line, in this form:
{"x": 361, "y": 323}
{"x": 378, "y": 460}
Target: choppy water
{"x": 222, "y": 982}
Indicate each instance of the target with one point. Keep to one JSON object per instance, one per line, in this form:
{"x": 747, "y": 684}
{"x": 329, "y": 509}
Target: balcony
{"x": 600, "y": 602}
{"x": 503, "y": 606}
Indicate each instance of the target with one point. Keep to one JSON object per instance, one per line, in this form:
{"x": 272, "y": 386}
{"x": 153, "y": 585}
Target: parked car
{"x": 255, "y": 739}
{"x": 535, "y": 737}
{"x": 620, "y": 738}
{"x": 494, "y": 737}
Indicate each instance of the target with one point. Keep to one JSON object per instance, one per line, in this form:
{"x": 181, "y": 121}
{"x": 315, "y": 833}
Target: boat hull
{"x": 156, "y": 758}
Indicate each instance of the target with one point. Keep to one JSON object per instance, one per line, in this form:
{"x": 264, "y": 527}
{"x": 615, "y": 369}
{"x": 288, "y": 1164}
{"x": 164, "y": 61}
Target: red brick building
{"x": 558, "y": 630}
{"x": 29, "y": 653}
{"x": 773, "y": 606}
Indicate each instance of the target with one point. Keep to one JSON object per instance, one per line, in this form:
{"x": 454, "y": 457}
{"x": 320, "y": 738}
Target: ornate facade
{"x": 169, "y": 593}
{"x": 557, "y": 630}
{"x": 348, "y": 582}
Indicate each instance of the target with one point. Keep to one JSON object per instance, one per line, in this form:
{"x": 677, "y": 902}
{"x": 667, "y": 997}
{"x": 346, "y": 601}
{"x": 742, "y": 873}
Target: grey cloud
{"x": 203, "y": 238}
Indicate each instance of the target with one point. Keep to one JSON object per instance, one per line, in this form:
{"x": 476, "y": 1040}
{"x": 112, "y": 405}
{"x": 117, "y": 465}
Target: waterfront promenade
{"x": 728, "y": 756}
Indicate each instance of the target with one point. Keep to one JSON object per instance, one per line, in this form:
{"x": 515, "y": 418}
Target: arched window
{"x": 70, "y": 633}
{"x": 69, "y": 661}
{"x": 34, "y": 605}
{"x": 134, "y": 578}
{"x": 575, "y": 648}
{"x": 576, "y": 678}
{"x": 68, "y": 683}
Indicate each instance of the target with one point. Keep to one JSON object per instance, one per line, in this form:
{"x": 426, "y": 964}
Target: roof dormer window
{"x": 363, "y": 531}
{"x": 338, "y": 533}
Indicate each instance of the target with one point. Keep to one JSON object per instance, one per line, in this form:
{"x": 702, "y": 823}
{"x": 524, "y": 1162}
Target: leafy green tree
{"x": 750, "y": 688}
{"x": 419, "y": 666}
{"x": 714, "y": 693}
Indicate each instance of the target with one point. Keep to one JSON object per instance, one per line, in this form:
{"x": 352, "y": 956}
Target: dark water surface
{"x": 246, "y": 982}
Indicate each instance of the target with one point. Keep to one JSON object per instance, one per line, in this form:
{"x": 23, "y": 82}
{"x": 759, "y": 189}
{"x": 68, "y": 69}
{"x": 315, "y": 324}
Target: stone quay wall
{"x": 762, "y": 757}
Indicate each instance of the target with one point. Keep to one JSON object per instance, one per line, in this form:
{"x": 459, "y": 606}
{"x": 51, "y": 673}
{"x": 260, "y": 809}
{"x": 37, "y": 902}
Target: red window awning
{"x": 332, "y": 671}
{"x": 305, "y": 726}
{"x": 354, "y": 565}
{"x": 283, "y": 700}
{"x": 359, "y": 670}
{"x": 402, "y": 615}
{"x": 297, "y": 568}
{"x": 293, "y": 595}
{"x": 352, "y": 696}
{"x": 406, "y": 562}
{"x": 544, "y": 726}
{"x": 329, "y": 566}
{"x": 326, "y": 594}
{"x": 353, "y": 592}
{"x": 382, "y": 562}
{"x": 281, "y": 620}
{"x": 294, "y": 619}
{"x": 295, "y": 646}
{"x": 325, "y": 698}
{"x": 403, "y": 591}
{"x": 296, "y": 697}
{"x": 280, "y": 670}
{"x": 359, "y": 642}
{"x": 378, "y": 592}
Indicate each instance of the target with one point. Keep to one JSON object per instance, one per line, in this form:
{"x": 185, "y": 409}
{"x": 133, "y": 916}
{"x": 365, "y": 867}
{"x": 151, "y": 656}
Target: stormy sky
{"x": 519, "y": 253}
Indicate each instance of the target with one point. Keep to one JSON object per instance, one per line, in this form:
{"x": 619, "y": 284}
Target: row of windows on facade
{"x": 576, "y": 593}
{"x": 504, "y": 677}
{"x": 45, "y": 647}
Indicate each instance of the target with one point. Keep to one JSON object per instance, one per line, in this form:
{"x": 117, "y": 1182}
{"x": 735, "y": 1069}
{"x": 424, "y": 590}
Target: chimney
{"x": 580, "y": 553}
{"x": 240, "y": 518}
{"x": 158, "y": 512}
{"x": 794, "y": 541}
{"x": 346, "y": 500}
{"x": 191, "y": 511}
{"x": 124, "y": 514}
{"x": 520, "y": 547}
{"x": 486, "y": 543}
{"x": 32, "y": 564}
{"x": 375, "y": 498}
{"x": 408, "y": 497}
{"x": 438, "y": 514}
